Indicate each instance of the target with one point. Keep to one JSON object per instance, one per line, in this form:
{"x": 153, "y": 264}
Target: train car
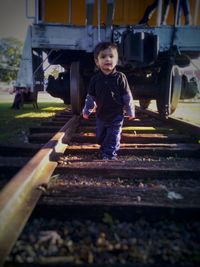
{"x": 150, "y": 54}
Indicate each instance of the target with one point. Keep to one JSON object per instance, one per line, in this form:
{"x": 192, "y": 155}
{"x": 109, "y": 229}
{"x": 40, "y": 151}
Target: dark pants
{"x": 108, "y": 135}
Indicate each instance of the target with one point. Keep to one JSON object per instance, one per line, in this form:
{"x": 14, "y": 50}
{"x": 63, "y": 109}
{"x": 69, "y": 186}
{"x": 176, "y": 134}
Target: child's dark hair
{"x": 102, "y": 46}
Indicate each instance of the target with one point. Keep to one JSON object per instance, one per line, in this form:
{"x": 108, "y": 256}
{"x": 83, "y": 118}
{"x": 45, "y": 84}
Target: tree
{"x": 10, "y": 55}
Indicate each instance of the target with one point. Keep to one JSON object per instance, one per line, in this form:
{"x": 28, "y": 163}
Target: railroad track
{"x": 140, "y": 210}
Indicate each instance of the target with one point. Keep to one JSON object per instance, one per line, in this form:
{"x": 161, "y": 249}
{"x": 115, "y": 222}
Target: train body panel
{"x": 127, "y": 12}
{"x": 68, "y": 30}
{"x": 57, "y": 37}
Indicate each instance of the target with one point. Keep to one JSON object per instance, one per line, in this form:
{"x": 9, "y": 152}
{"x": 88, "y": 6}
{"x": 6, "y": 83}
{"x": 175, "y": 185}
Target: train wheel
{"x": 144, "y": 103}
{"x": 170, "y": 92}
{"x": 76, "y": 88}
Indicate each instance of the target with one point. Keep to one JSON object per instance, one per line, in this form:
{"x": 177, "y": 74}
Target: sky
{"x": 13, "y": 21}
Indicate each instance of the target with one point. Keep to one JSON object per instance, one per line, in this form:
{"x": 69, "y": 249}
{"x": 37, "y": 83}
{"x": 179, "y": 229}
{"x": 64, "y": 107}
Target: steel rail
{"x": 183, "y": 126}
{"x": 19, "y": 197}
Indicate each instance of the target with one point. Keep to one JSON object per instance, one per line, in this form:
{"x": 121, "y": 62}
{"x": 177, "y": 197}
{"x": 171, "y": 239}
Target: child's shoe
{"x": 113, "y": 158}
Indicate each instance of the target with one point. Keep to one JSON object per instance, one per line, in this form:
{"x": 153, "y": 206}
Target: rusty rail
{"x": 190, "y": 128}
{"x": 20, "y": 195}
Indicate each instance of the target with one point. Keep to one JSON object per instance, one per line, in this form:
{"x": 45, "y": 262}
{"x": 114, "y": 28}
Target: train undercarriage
{"x": 151, "y": 58}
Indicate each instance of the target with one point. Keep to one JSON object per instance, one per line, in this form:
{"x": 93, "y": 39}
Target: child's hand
{"x": 85, "y": 116}
{"x": 131, "y": 118}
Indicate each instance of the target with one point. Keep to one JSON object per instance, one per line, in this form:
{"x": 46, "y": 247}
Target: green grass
{"x": 14, "y": 124}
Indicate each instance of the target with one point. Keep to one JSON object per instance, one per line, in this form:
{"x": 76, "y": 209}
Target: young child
{"x": 109, "y": 93}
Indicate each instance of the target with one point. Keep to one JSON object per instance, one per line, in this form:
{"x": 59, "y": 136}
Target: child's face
{"x": 107, "y": 60}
